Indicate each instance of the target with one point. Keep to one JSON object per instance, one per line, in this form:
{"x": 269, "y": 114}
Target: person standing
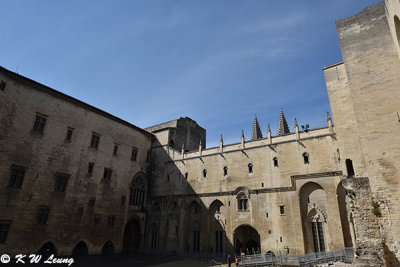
{"x": 229, "y": 260}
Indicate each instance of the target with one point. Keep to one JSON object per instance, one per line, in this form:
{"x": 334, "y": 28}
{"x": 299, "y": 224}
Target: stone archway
{"x": 47, "y": 249}
{"x": 81, "y": 249}
{"x": 247, "y": 240}
{"x": 216, "y": 221}
{"x": 108, "y": 248}
{"x": 132, "y": 236}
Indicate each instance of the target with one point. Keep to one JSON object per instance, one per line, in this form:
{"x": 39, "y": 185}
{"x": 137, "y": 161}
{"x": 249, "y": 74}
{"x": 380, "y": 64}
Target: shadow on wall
{"x": 178, "y": 220}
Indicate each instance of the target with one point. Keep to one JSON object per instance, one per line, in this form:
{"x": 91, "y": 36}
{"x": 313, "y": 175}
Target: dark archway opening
{"x": 80, "y": 250}
{"x": 247, "y": 240}
{"x": 47, "y": 249}
{"x": 108, "y": 248}
{"x": 132, "y": 236}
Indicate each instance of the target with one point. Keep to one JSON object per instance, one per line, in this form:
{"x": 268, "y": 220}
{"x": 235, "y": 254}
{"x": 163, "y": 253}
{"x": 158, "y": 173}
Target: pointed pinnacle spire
{"x": 242, "y": 134}
{"x": 295, "y": 123}
{"x": 256, "y": 132}
{"x": 221, "y": 139}
{"x": 283, "y": 127}
{"x": 242, "y": 140}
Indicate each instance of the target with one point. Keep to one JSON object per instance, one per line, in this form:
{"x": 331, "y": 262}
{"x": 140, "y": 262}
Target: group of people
{"x": 229, "y": 261}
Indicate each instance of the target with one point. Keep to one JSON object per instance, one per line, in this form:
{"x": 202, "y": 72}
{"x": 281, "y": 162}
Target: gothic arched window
{"x": 204, "y": 173}
{"x": 306, "y": 158}
{"x": 137, "y": 192}
{"x": 250, "y": 166}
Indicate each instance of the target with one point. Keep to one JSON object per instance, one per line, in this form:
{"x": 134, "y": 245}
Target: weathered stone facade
{"x": 79, "y": 180}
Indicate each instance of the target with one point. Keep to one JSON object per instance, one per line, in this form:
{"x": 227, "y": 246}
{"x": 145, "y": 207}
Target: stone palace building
{"x": 77, "y": 180}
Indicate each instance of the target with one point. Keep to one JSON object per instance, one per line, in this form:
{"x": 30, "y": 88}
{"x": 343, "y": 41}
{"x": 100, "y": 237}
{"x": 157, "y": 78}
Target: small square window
{"x": 282, "y": 209}
{"x": 40, "y": 122}
{"x": 17, "y": 176}
{"x": 97, "y": 219}
{"x": 94, "y": 142}
{"x": 43, "y": 214}
{"x": 134, "y": 154}
{"x": 69, "y": 134}
{"x": 3, "y": 85}
{"x": 107, "y": 173}
{"x": 4, "y": 227}
{"x": 90, "y": 168}
{"x": 115, "y": 149}
{"x": 61, "y": 182}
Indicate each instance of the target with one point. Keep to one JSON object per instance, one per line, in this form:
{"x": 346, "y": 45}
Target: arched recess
{"x": 108, "y": 248}
{"x": 154, "y": 229}
{"x": 81, "y": 249}
{"x": 47, "y": 249}
{"x": 247, "y": 240}
{"x": 138, "y": 189}
{"x": 344, "y": 216}
{"x": 217, "y": 222}
{"x": 193, "y": 227}
{"x": 313, "y": 207}
{"x": 172, "y": 226}
{"x": 132, "y": 236}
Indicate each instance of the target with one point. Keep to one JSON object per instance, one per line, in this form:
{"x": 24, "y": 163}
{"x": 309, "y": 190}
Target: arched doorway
{"x": 132, "y": 235}
{"x": 80, "y": 250}
{"x": 193, "y": 227}
{"x": 108, "y": 248}
{"x": 313, "y": 206}
{"x": 247, "y": 240}
{"x": 217, "y": 221}
{"x": 47, "y": 249}
{"x": 344, "y": 218}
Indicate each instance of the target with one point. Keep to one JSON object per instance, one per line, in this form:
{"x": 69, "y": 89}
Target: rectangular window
{"x": 61, "y": 182}
{"x": 17, "y": 176}
{"x": 69, "y": 134}
{"x": 111, "y": 221}
{"x": 90, "y": 168}
{"x": 40, "y": 122}
{"x": 4, "y": 227}
{"x": 43, "y": 214}
{"x": 94, "y": 142}
{"x": 92, "y": 202}
{"x": 242, "y": 204}
{"x": 148, "y": 156}
{"x": 115, "y": 149}
{"x": 196, "y": 240}
{"x": 134, "y": 154}
{"x": 2, "y": 85}
{"x": 107, "y": 173}
{"x": 80, "y": 211}
{"x": 96, "y": 220}
{"x": 282, "y": 209}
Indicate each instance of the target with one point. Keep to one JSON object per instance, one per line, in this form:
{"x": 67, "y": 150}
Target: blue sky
{"x": 218, "y": 62}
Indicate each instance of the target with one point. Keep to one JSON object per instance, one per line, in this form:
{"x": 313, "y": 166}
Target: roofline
{"x": 75, "y": 101}
{"x": 333, "y": 65}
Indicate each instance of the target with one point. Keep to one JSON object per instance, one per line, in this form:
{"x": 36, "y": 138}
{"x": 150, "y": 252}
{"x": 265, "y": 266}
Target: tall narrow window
{"x": 4, "y": 227}
{"x": 148, "y": 156}
{"x": 134, "y": 154}
{"x": 321, "y": 236}
{"x": 186, "y": 175}
{"x": 69, "y": 134}
{"x": 306, "y": 158}
{"x": 137, "y": 193}
{"x": 61, "y": 182}
{"x": 80, "y": 211}
{"x": 218, "y": 241}
{"x": 167, "y": 177}
{"x": 196, "y": 241}
{"x": 242, "y": 204}
{"x": 2, "y": 85}
{"x": 315, "y": 236}
{"x": 250, "y": 166}
{"x": 92, "y": 202}
{"x": 204, "y": 173}
{"x": 94, "y": 142}
{"x": 282, "y": 209}
{"x": 90, "y": 168}
{"x": 275, "y": 160}
{"x": 115, "y": 149}
{"x": 40, "y": 122}
{"x": 225, "y": 171}
{"x": 107, "y": 173}
{"x": 43, "y": 214}
{"x": 17, "y": 176}
{"x": 349, "y": 167}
